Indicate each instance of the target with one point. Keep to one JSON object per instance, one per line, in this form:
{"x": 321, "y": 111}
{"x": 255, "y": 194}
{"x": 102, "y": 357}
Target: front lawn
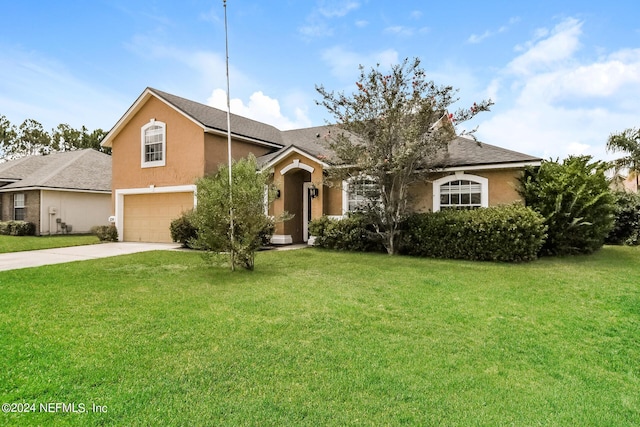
{"x": 30, "y": 243}
{"x": 324, "y": 338}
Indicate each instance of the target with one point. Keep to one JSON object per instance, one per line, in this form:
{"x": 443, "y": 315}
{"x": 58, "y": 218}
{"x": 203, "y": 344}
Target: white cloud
{"x": 344, "y": 64}
{"x": 318, "y": 21}
{"x": 475, "y": 38}
{"x": 548, "y": 52}
{"x": 564, "y": 103}
{"x": 261, "y": 108}
{"x": 336, "y": 8}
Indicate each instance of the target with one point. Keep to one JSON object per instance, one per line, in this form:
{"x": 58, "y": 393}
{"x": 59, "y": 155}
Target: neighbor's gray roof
{"x": 214, "y": 118}
{"x": 87, "y": 170}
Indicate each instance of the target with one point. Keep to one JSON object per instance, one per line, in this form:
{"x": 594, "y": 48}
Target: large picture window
{"x": 460, "y": 191}
{"x": 19, "y": 207}
{"x": 154, "y": 144}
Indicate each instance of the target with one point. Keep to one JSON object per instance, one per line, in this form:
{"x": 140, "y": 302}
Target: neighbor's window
{"x": 154, "y": 144}
{"x": 361, "y": 192}
{"x": 18, "y": 207}
{"x": 461, "y": 194}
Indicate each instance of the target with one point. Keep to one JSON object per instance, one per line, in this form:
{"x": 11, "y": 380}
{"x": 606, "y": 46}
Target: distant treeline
{"x": 30, "y": 138}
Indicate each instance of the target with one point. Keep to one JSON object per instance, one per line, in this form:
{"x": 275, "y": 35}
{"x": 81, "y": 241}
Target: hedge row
{"x": 511, "y": 233}
{"x": 17, "y": 228}
{"x": 506, "y": 233}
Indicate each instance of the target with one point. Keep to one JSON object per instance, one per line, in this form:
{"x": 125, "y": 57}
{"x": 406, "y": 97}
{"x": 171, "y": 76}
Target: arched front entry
{"x": 300, "y": 184}
{"x": 296, "y": 184}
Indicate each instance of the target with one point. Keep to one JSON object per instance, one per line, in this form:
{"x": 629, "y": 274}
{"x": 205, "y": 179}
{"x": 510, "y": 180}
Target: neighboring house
{"x": 622, "y": 182}
{"x": 67, "y": 192}
{"x": 163, "y": 143}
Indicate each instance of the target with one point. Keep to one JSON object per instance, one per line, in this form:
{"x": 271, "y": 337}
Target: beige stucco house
{"x": 67, "y": 192}
{"x": 163, "y": 143}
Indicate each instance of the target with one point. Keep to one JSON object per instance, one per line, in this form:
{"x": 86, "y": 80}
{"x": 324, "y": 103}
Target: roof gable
{"x": 210, "y": 119}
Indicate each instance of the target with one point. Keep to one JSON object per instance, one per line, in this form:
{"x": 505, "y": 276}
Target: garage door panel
{"x": 147, "y": 217}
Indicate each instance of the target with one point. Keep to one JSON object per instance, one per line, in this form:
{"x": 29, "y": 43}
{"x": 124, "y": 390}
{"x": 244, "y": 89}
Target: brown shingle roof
{"x": 87, "y": 170}
{"x": 463, "y": 151}
{"x": 214, "y": 118}
{"x": 467, "y": 152}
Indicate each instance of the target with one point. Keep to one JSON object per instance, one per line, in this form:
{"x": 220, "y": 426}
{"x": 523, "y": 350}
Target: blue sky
{"x": 563, "y": 74}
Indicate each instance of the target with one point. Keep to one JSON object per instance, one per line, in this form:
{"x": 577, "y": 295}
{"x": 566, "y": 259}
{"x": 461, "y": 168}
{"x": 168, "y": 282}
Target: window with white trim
{"x": 18, "y": 207}
{"x": 361, "y": 192}
{"x": 460, "y": 191}
{"x": 461, "y": 194}
{"x": 154, "y": 144}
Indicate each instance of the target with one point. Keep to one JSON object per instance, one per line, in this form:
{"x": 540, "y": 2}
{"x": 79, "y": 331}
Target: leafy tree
{"x": 31, "y": 139}
{"x": 212, "y": 215}
{"x": 575, "y": 200}
{"x": 65, "y": 138}
{"x": 7, "y": 132}
{"x": 627, "y": 142}
{"x": 395, "y": 127}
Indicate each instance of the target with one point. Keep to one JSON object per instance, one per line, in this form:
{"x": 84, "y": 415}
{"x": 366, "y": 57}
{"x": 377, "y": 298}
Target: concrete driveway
{"x": 26, "y": 259}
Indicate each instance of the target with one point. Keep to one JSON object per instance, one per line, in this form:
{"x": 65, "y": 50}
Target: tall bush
{"x": 626, "y": 228}
{"x": 575, "y": 200}
{"x": 212, "y": 217}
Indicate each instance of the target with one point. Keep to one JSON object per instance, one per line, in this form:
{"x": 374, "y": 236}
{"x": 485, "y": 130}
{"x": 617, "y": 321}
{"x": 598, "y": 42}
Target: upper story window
{"x": 360, "y": 193}
{"x": 18, "y": 207}
{"x": 154, "y": 144}
{"x": 460, "y": 191}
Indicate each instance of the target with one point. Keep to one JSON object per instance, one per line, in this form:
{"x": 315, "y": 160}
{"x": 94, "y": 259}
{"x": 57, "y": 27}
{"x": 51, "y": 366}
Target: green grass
{"x": 30, "y": 243}
{"x": 322, "y": 338}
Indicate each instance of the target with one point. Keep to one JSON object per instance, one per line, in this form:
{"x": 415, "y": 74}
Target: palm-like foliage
{"x": 627, "y": 142}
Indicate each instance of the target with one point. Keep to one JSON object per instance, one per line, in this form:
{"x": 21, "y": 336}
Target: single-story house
{"x": 67, "y": 192}
{"x": 164, "y": 143}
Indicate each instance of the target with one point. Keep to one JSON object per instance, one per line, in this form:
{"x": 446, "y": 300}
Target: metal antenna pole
{"x": 231, "y": 233}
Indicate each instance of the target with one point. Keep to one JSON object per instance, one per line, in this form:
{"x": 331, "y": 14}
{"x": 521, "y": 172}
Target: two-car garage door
{"x": 147, "y": 217}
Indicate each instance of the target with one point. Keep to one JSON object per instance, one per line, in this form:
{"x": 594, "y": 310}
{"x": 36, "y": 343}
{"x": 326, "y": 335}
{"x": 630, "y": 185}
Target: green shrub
{"x": 182, "y": 230}
{"x": 353, "y": 233}
{"x": 575, "y": 200}
{"x": 626, "y": 228}
{"x": 17, "y": 228}
{"x": 106, "y": 233}
{"x": 505, "y": 233}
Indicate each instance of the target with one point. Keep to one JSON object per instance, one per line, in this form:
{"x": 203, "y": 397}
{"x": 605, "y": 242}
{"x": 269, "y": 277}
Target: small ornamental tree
{"x": 575, "y": 200}
{"x": 395, "y": 129}
{"x": 212, "y": 215}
